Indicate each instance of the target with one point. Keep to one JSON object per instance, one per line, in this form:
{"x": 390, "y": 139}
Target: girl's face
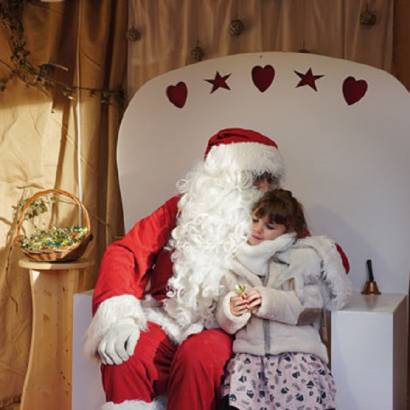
{"x": 263, "y": 230}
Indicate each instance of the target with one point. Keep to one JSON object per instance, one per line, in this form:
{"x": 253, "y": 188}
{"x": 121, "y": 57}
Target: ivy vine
{"x": 11, "y": 18}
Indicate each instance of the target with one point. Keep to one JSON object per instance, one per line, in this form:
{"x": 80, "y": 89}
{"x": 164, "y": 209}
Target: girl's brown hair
{"x": 281, "y": 207}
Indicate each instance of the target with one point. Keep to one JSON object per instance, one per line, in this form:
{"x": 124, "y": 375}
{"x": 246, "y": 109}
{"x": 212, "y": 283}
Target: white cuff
{"x": 229, "y": 322}
{"x": 109, "y": 312}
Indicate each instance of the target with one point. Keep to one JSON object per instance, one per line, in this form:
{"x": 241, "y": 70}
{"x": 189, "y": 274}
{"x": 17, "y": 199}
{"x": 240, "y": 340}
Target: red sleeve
{"x": 343, "y": 256}
{"x": 126, "y": 262}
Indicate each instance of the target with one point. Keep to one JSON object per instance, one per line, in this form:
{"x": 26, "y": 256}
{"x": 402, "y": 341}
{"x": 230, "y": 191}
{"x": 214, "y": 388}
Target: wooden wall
{"x": 401, "y": 45}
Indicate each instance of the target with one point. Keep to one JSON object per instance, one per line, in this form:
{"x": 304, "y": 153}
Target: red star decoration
{"x": 219, "y": 82}
{"x": 308, "y": 79}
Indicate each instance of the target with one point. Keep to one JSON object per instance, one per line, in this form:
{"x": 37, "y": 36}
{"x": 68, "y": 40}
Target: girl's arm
{"x": 231, "y": 313}
{"x": 303, "y": 304}
{"x": 330, "y": 274}
{"x": 279, "y": 305}
{"x": 285, "y": 306}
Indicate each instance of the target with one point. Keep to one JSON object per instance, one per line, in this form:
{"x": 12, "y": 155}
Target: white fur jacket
{"x": 296, "y": 279}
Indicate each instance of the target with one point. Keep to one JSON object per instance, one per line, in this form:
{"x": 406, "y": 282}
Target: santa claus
{"x": 153, "y": 304}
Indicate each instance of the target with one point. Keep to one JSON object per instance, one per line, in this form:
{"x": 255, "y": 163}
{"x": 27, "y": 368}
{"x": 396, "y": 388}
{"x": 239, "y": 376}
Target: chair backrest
{"x": 342, "y": 128}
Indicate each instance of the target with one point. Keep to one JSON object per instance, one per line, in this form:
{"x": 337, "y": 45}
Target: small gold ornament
{"x": 119, "y": 97}
{"x": 105, "y": 98}
{"x": 240, "y": 289}
{"x": 133, "y": 34}
{"x": 367, "y": 17}
{"x": 197, "y": 53}
{"x": 68, "y": 92}
{"x": 303, "y": 49}
{"x": 46, "y": 70}
{"x": 236, "y": 28}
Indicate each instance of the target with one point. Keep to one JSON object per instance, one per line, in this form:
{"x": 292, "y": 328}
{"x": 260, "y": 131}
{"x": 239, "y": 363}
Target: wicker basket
{"x": 66, "y": 254}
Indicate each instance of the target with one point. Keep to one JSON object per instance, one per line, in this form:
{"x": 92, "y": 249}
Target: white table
{"x": 369, "y": 352}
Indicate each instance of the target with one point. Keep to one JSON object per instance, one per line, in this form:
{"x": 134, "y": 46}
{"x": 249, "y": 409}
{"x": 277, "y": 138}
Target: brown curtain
{"x": 170, "y": 29}
{"x": 39, "y": 140}
{"x": 401, "y": 48}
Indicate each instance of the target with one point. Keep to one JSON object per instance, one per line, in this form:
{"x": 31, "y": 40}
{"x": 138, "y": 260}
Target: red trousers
{"x": 190, "y": 374}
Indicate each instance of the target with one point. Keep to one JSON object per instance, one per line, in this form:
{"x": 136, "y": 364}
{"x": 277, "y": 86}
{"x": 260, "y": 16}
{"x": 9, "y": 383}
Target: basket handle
{"x": 59, "y": 192}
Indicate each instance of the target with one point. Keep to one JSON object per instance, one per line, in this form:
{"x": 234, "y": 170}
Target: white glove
{"x": 118, "y": 344}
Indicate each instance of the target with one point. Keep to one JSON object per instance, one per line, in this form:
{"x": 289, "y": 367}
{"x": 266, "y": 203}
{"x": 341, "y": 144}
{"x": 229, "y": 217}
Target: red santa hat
{"x": 238, "y": 149}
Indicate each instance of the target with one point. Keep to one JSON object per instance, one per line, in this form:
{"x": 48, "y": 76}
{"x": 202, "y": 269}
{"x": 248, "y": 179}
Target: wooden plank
{"x": 54, "y": 266}
{"x": 47, "y": 385}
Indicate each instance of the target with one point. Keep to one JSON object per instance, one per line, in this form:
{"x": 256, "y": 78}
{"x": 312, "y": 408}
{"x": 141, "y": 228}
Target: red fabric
{"x": 127, "y": 264}
{"x": 160, "y": 275}
{"x": 189, "y": 374}
{"x": 345, "y": 259}
{"x": 233, "y": 135}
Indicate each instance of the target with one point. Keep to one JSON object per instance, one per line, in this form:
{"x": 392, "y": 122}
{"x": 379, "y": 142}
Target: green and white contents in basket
{"x": 54, "y": 238}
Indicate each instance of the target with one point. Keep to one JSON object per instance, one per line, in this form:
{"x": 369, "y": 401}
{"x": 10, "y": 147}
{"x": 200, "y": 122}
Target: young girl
{"x": 276, "y": 290}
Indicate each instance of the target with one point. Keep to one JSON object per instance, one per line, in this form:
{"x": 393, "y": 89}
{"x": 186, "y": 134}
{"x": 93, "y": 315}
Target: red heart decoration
{"x": 262, "y": 77}
{"x": 177, "y": 94}
{"x": 354, "y": 90}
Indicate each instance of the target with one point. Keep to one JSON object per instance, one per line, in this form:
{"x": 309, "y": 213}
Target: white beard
{"x": 213, "y": 221}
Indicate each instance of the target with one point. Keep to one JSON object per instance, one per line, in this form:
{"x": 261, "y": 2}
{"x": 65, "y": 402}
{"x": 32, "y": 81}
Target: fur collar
{"x": 256, "y": 257}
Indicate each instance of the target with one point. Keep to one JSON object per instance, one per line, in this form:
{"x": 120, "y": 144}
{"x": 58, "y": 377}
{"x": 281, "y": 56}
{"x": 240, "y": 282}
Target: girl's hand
{"x": 238, "y": 305}
{"x": 253, "y": 300}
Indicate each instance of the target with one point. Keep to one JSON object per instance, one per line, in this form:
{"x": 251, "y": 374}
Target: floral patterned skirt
{"x": 294, "y": 381}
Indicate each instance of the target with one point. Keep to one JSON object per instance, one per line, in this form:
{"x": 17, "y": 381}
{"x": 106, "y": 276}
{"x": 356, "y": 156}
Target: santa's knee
{"x": 191, "y": 369}
{"x": 189, "y": 358}
{"x": 204, "y": 353}
{"x": 127, "y": 381}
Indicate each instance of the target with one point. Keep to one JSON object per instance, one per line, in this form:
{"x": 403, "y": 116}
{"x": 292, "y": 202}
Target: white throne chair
{"x": 343, "y": 130}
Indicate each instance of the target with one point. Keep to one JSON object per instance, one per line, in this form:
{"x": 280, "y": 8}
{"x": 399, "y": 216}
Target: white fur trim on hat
{"x": 109, "y": 312}
{"x": 157, "y": 404}
{"x": 246, "y": 156}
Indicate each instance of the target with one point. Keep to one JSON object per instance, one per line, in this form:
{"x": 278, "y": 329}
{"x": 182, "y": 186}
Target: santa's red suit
{"x": 145, "y": 305}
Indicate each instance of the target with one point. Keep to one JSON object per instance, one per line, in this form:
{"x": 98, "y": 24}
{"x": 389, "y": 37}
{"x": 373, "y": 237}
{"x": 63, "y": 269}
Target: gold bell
{"x": 370, "y": 288}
